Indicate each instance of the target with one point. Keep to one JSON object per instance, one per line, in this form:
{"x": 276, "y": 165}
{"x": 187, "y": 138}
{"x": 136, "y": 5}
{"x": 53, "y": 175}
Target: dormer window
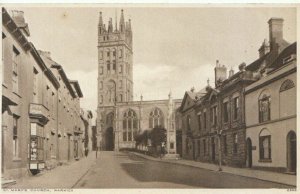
{"x": 288, "y": 59}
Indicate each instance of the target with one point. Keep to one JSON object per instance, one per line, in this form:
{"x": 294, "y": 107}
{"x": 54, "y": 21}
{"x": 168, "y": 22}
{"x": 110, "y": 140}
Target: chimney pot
{"x": 242, "y": 66}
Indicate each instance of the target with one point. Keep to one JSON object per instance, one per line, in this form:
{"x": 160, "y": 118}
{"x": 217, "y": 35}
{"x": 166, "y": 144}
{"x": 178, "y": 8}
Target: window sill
{"x": 265, "y": 160}
{"x": 264, "y": 122}
{"x": 16, "y": 159}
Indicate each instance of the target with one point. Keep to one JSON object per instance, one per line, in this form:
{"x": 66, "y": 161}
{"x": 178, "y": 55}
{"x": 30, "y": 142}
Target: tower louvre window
{"x": 114, "y": 64}
{"x": 121, "y": 69}
{"x": 120, "y": 53}
{"x": 108, "y": 65}
{"x": 101, "y": 70}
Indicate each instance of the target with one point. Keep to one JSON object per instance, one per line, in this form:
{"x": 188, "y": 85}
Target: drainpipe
{"x": 57, "y": 125}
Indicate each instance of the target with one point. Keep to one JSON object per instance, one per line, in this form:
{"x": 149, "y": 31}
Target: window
{"x": 101, "y": 70}
{"x": 15, "y": 78}
{"x": 235, "y": 142}
{"x": 235, "y": 107}
{"x": 187, "y": 146}
{"x": 204, "y": 120}
{"x": 100, "y": 54}
{"x": 108, "y": 65}
{"x": 15, "y": 136}
{"x": 225, "y": 144}
{"x": 200, "y": 123}
{"x": 156, "y": 118}
{"x": 114, "y": 65}
{"x": 120, "y": 53}
{"x": 213, "y": 115}
{"x": 108, "y": 53}
{"x": 264, "y": 108}
{"x": 120, "y": 84}
{"x": 121, "y": 97}
{"x": 121, "y": 69}
{"x": 188, "y": 123}
{"x": 204, "y": 146}
{"x": 101, "y": 85}
{"x": 265, "y": 147}
{"x": 287, "y": 84}
{"x": 130, "y": 125}
{"x": 226, "y": 112}
{"x": 114, "y": 53}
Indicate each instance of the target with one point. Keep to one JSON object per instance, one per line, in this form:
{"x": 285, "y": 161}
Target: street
{"x": 126, "y": 170}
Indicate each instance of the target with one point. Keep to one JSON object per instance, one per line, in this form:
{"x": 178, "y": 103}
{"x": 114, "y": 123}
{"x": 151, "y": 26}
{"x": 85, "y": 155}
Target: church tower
{"x": 115, "y": 79}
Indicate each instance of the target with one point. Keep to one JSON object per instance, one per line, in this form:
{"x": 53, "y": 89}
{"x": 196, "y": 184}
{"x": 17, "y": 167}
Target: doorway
{"x": 213, "y": 151}
{"x": 110, "y": 139}
{"x": 249, "y": 153}
{"x": 194, "y": 150}
{"x": 291, "y": 152}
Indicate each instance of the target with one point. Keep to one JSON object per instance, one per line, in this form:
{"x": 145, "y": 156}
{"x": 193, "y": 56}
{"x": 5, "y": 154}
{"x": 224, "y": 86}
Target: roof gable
{"x": 187, "y": 102}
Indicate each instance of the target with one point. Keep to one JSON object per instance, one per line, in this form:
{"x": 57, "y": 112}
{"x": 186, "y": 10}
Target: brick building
{"x": 35, "y": 95}
{"x": 214, "y": 119}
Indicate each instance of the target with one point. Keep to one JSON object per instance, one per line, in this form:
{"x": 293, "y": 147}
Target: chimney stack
{"x": 18, "y": 17}
{"x": 264, "y": 49}
{"x": 220, "y": 73}
{"x": 275, "y": 32}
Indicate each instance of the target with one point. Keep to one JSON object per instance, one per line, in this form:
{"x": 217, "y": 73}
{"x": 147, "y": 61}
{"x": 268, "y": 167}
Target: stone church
{"x": 120, "y": 117}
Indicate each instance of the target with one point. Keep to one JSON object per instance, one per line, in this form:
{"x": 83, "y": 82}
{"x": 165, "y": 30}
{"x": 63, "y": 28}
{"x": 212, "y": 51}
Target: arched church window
{"x": 156, "y": 118}
{"x": 130, "y": 125}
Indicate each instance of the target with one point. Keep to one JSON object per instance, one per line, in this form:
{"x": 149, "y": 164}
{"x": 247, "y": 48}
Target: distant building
{"x": 94, "y": 138}
{"x": 119, "y": 118}
{"x": 86, "y": 117}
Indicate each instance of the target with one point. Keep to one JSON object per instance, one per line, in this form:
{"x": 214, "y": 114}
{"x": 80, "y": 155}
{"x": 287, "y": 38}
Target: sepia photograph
{"x": 143, "y": 96}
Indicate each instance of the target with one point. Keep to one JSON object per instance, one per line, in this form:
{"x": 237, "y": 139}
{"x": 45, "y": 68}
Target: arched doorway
{"x": 291, "y": 152}
{"x": 110, "y": 139}
{"x": 249, "y": 153}
{"x": 109, "y": 133}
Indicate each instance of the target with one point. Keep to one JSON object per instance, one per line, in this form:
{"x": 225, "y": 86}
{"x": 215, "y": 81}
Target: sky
{"x": 174, "y": 48}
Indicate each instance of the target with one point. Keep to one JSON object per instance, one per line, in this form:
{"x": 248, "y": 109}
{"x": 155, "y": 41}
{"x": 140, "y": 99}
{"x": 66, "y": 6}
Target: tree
{"x": 158, "y": 136}
{"x": 142, "y": 138}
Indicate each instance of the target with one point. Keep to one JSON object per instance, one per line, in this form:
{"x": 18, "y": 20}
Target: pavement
{"x": 65, "y": 176}
{"x": 275, "y": 177}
